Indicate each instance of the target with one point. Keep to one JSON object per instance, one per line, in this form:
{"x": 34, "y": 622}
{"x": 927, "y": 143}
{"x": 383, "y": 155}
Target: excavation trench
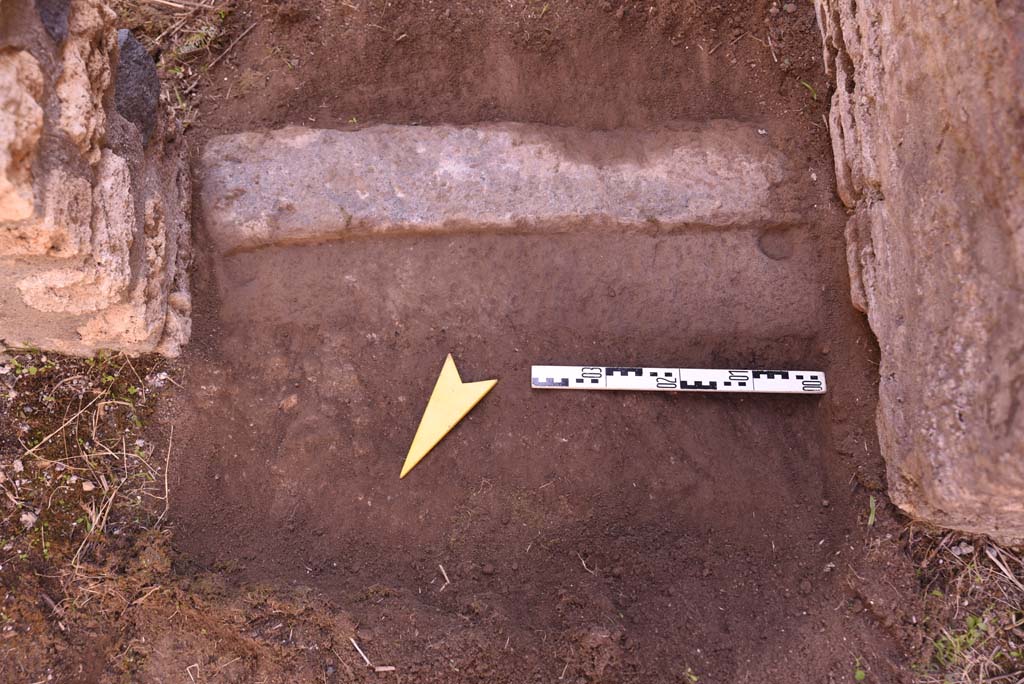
{"x": 598, "y": 536}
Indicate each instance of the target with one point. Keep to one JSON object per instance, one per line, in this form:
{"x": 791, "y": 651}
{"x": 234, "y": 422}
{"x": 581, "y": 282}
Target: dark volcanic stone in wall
{"x": 54, "y": 15}
{"x": 137, "y": 87}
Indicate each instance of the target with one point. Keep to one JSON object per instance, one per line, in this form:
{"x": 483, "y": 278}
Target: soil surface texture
{"x": 552, "y": 536}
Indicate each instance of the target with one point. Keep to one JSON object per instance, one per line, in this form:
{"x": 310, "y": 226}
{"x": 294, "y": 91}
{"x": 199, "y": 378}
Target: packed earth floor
{"x": 552, "y": 536}
{"x": 584, "y": 536}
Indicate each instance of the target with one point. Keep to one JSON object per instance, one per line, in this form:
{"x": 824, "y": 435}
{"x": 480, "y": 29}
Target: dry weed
{"x": 975, "y": 594}
{"x": 185, "y": 38}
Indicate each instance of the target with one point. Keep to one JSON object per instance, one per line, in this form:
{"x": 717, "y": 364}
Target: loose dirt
{"x": 584, "y": 537}
{"x": 590, "y": 64}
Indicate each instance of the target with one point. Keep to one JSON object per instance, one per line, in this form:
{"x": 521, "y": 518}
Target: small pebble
{"x": 805, "y": 587}
{"x": 488, "y": 569}
{"x": 789, "y": 7}
{"x": 962, "y": 549}
{"x": 617, "y": 571}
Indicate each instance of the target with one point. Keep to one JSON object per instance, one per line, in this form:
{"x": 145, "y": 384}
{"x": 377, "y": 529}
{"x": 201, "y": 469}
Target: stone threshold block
{"x": 298, "y": 185}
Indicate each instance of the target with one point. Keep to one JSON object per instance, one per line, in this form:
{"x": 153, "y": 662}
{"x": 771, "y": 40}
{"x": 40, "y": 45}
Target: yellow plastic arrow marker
{"x": 451, "y": 400}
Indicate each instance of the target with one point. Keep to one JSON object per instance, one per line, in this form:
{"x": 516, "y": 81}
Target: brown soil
{"x": 587, "y": 537}
{"x": 593, "y": 64}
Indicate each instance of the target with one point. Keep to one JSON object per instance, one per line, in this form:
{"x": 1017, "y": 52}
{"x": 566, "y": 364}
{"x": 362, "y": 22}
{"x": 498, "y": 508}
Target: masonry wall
{"x": 94, "y": 187}
{"x": 927, "y": 125}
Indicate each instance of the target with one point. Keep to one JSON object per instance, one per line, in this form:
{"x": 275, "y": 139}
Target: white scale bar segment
{"x": 635, "y": 378}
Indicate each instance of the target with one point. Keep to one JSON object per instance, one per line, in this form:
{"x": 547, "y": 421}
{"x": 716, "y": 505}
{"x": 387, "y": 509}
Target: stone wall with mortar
{"x": 94, "y": 187}
{"x": 927, "y": 124}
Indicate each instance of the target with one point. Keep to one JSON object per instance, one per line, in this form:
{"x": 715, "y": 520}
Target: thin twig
{"x": 178, "y": 4}
{"x": 221, "y": 56}
{"x": 99, "y": 521}
{"x": 242, "y": 35}
{"x": 584, "y": 563}
{"x": 993, "y": 554}
{"x": 343, "y": 662}
{"x": 145, "y": 596}
{"x": 56, "y": 609}
{"x": 365, "y": 659}
{"x": 235, "y": 660}
{"x": 176, "y": 26}
{"x": 167, "y": 468}
{"x": 66, "y": 423}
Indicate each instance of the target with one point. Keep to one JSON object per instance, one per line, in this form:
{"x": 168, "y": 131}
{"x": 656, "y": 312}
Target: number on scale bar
{"x": 678, "y": 379}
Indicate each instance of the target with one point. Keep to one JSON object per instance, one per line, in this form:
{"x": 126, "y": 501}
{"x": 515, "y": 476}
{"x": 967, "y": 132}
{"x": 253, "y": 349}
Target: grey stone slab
{"x": 296, "y": 185}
